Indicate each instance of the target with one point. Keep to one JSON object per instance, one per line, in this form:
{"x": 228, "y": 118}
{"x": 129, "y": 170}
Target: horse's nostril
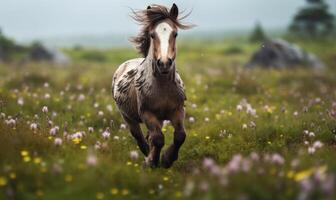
{"x": 170, "y": 61}
{"x": 159, "y": 63}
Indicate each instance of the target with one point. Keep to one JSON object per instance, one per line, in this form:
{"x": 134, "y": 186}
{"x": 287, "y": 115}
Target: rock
{"x": 279, "y": 53}
{"x": 40, "y": 53}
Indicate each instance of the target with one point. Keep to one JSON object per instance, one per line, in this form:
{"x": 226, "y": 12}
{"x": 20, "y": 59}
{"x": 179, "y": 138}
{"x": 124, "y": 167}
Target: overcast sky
{"x": 27, "y": 19}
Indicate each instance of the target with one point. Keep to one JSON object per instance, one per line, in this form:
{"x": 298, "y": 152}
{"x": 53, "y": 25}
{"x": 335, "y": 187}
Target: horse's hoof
{"x": 149, "y": 162}
{"x": 165, "y": 162}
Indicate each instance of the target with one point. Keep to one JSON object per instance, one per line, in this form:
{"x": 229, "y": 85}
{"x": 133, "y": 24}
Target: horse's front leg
{"x": 155, "y": 138}
{"x": 171, "y": 154}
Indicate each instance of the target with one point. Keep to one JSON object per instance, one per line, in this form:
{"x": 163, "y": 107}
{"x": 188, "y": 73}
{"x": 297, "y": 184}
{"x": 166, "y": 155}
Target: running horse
{"x": 149, "y": 90}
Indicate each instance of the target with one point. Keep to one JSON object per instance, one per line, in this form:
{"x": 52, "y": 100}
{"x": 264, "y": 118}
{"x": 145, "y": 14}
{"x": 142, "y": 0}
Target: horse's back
{"x": 123, "y": 89}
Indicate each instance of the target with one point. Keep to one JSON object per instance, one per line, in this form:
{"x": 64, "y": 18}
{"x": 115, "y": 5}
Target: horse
{"x": 149, "y": 90}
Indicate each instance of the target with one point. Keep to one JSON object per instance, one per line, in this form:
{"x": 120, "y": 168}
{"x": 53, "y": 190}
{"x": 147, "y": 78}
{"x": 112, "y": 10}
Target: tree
{"x": 313, "y": 20}
{"x": 258, "y": 34}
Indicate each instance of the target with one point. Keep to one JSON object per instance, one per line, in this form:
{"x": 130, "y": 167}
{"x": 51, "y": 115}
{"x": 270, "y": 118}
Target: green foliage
{"x": 258, "y": 34}
{"x": 313, "y": 21}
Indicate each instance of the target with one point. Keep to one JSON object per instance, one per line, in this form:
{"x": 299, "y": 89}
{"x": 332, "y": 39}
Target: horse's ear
{"x": 174, "y": 11}
{"x": 149, "y": 7}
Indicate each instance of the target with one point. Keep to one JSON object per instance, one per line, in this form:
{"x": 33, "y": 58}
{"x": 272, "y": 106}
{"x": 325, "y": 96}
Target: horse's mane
{"x": 148, "y": 18}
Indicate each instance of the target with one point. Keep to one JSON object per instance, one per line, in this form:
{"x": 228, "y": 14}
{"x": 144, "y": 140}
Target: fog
{"x": 29, "y": 19}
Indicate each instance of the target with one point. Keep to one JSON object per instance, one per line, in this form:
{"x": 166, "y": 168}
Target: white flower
{"x": 46, "y": 84}
{"x": 97, "y": 145}
{"x": 90, "y": 129}
{"x": 116, "y": 137}
{"x": 47, "y": 96}
{"x": 311, "y": 134}
{"x": 239, "y": 107}
{"x": 33, "y": 126}
{"x": 101, "y": 113}
{"x": 20, "y": 101}
{"x": 58, "y": 141}
{"x": 109, "y": 108}
{"x": 244, "y": 126}
{"x": 106, "y": 134}
{"x": 306, "y": 132}
{"x": 45, "y": 109}
{"x": 122, "y": 126}
{"x": 191, "y": 119}
{"x": 296, "y": 113}
{"x": 134, "y": 155}
{"x": 193, "y": 105}
{"x": 311, "y": 150}
{"x": 206, "y": 119}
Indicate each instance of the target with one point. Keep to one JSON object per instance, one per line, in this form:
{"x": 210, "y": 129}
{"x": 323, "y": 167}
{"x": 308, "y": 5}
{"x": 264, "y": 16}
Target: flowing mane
{"x": 148, "y": 18}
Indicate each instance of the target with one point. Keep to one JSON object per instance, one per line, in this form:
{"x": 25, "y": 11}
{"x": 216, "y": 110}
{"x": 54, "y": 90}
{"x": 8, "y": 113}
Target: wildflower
{"x": 90, "y": 129}
{"x": 277, "y": 159}
{"x": 244, "y": 126}
{"x": 122, "y": 126}
{"x": 47, "y": 96}
{"x": 311, "y": 150}
{"x": 296, "y": 113}
{"x": 116, "y": 137}
{"x": 317, "y": 144}
{"x": 91, "y": 160}
{"x": 114, "y": 191}
{"x": 206, "y": 119}
{"x": 53, "y": 131}
{"x": 311, "y": 134}
{"x": 3, "y": 181}
{"x": 81, "y": 97}
{"x": 97, "y": 145}
{"x": 33, "y": 127}
{"x": 45, "y": 109}
{"x": 253, "y": 124}
{"x": 306, "y": 132}
{"x": 46, "y": 85}
{"x": 306, "y": 142}
{"x": 191, "y": 119}
{"x": 193, "y": 105}
{"x": 239, "y": 107}
{"x": 208, "y": 163}
{"x": 58, "y": 141}
{"x": 106, "y": 134}
{"x": 11, "y": 122}
{"x": 109, "y": 108}
{"x": 134, "y": 155}
{"x": 100, "y": 113}
{"x": 254, "y": 156}
{"x": 20, "y": 101}
{"x": 2, "y": 115}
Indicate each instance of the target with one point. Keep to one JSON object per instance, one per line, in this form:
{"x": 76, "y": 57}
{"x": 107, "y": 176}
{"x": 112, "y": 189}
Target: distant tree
{"x": 7, "y": 47}
{"x": 258, "y": 34}
{"x": 313, "y": 20}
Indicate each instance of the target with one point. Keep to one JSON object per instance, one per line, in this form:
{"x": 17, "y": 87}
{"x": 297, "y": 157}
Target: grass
{"x": 246, "y": 130}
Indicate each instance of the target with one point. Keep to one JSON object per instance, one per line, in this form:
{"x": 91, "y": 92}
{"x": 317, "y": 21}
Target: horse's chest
{"x": 163, "y": 101}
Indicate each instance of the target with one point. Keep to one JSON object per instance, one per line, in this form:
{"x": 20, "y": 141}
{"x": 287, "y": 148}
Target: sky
{"x": 33, "y": 19}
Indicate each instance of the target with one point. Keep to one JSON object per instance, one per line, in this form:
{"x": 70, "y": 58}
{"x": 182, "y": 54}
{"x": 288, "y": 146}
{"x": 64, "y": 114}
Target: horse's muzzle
{"x": 164, "y": 67}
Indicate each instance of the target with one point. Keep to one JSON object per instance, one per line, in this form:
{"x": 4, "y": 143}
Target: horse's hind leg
{"x": 171, "y": 153}
{"x": 136, "y": 132}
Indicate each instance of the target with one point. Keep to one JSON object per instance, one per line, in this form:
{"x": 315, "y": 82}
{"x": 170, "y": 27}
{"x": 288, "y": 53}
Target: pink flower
{"x": 277, "y": 159}
{"x": 45, "y": 109}
{"x": 58, "y": 141}
{"x": 106, "y": 134}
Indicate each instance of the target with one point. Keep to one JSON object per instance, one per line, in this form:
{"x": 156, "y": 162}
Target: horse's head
{"x": 159, "y": 33}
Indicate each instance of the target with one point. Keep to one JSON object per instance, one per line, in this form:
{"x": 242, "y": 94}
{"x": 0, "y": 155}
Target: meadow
{"x": 251, "y": 133}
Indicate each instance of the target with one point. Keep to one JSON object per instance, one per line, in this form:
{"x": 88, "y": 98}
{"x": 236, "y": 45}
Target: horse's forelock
{"x": 148, "y": 18}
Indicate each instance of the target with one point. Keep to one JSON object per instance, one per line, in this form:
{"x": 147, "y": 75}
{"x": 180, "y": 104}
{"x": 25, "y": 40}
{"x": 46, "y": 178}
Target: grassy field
{"x": 251, "y": 134}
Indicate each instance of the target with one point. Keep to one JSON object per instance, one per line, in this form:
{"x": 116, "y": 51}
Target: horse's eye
{"x": 152, "y": 35}
{"x": 175, "y": 34}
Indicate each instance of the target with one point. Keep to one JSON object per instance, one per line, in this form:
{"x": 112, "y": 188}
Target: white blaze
{"x": 163, "y": 31}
